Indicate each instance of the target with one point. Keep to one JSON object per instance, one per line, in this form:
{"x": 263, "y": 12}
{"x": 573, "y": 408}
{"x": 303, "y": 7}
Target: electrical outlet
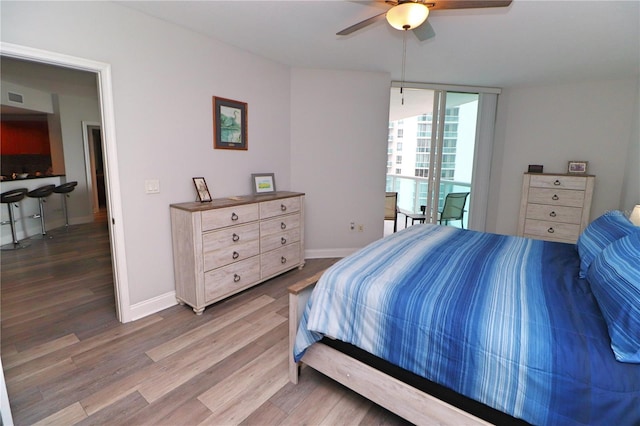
{"x": 360, "y": 228}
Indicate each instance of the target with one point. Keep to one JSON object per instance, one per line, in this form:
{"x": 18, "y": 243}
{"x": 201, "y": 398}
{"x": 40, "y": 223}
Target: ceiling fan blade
{"x": 465, "y": 4}
{"x": 362, "y": 24}
{"x": 424, "y": 31}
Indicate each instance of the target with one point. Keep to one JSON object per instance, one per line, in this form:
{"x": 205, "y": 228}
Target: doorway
{"x": 431, "y": 146}
{"x": 94, "y": 163}
{"x": 440, "y": 141}
{"x": 111, "y": 175}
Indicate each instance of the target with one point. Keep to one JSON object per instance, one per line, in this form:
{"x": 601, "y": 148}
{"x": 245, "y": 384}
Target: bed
{"x": 540, "y": 332}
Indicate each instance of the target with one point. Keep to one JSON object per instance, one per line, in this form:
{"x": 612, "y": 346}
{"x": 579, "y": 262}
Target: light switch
{"x": 152, "y": 186}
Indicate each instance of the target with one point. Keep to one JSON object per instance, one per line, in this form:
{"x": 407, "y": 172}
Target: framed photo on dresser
{"x": 263, "y": 183}
{"x": 577, "y": 167}
{"x": 204, "y": 195}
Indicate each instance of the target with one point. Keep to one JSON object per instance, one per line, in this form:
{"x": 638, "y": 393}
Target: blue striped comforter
{"x": 503, "y": 320}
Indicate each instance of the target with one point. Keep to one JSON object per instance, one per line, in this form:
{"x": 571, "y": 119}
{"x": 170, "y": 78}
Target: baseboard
{"x": 328, "y": 253}
{"x": 153, "y": 305}
{"x": 167, "y": 300}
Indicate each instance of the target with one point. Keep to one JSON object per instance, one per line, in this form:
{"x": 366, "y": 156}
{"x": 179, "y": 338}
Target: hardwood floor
{"x": 67, "y": 359}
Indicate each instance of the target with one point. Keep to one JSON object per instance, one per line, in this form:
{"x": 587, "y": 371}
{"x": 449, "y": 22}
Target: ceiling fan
{"x": 411, "y": 14}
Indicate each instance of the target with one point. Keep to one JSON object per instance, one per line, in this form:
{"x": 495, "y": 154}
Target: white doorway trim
{"x": 112, "y": 182}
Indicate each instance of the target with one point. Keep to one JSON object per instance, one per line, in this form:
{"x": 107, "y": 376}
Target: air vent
{"x": 16, "y": 97}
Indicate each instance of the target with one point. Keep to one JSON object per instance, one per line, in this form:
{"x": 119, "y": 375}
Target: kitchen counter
{"x": 30, "y": 177}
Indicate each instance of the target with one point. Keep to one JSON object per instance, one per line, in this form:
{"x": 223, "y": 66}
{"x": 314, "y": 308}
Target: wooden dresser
{"x": 230, "y": 244}
{"x": 555, "y": 207}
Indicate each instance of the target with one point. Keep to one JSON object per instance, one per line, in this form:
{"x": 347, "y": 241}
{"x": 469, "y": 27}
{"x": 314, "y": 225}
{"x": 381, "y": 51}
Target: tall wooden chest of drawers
{"x": 555, "y": 207}
{"x": 225, "y": 246}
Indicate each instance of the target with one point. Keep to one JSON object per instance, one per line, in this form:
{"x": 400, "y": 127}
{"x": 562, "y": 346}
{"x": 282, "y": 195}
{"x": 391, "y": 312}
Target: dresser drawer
{"x": 228, "y": 216}
{"x": 276, "y": 261}
{"x": 279, "y": 225}
{"x": 230, "y": 237}
{"x": 554, "y": 213}
{"x": 226, "y": 255}
{"x": 223, "y": 282}
{"x": 283, "y": 238}
{"x": 556, "y": 197}
{"x": 278, "y": 207}
{"x": 551, "y": 230}
{"x": 560, "y": 182}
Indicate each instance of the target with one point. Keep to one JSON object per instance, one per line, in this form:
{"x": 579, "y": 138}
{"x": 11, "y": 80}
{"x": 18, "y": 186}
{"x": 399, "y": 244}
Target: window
{"x": 443, "y": 128}
{"x": 424, "y": 130}
{"x": 399, "y": 159}
{"x": 422, "y": 145}
{"x": 447, "y": 174}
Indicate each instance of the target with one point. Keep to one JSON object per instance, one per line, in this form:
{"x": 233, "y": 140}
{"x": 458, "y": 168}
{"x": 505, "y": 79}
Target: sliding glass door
{"x": 433, "y": 150}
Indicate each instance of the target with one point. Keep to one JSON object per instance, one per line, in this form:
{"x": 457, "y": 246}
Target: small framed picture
{"x": 263, "y": 183}
{"x": 202, "y": 190}
{"x": 229, "y": 124}
{"x": 577, "y": 167}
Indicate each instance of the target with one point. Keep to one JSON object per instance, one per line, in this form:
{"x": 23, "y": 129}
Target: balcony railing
{"x": 412, "y": 192}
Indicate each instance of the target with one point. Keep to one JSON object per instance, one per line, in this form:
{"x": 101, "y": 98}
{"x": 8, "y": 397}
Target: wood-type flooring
{"x": 67, "y": 360}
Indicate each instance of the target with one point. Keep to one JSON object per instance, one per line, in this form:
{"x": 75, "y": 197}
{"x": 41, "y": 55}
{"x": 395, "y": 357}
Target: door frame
{"x": 483, "y": 153}
{"x": 112, "y": 181}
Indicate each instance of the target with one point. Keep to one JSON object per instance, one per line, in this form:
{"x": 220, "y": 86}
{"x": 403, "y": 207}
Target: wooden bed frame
{"x": 396, "y": 396}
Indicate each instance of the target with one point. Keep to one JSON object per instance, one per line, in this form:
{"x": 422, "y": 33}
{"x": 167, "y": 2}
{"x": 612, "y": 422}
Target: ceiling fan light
{"x": 406, "y": 16}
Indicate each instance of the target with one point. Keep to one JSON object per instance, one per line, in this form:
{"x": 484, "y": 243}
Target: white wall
{"x": 551, "y": 125}
{"x": 631, "y": 185}
{"x": 33, "y": 99}
{"x": 339, "y": 126}
{"x": 163, "y": 80}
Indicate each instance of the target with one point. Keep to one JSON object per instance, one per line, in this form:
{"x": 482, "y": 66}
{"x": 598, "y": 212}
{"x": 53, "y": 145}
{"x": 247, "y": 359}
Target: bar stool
{"x": 11, "y": 198}
{"x": 65, "y": 189}
{"x": 41, "y": 194}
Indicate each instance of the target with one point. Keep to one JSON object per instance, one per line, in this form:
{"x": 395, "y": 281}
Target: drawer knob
{"x": 551, "y": 230}
{"x": 283, "y": 225}
{"x": 235, "y": 255}
{"x": 556, "y": 183}
{"x": 236, "y": 278}
{"x": 555, "y": 197}
{"x": 234, "y": 216}
{"x": 235, "y": 237}
{"x": 283, "y": 240}
{"x": 283, "y": 207}
{"x": 552, "y": 214}
{"x": 283, "y": 260}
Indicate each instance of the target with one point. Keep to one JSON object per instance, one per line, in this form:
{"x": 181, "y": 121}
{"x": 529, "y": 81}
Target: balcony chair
{"x": 391, "y": 208}
{"x": 453, "y": 208}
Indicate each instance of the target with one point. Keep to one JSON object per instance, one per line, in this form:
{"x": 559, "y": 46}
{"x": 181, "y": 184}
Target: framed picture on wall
{"x": 263, "y": 183}
{"x": 229, "y": 124}
{"x": 202, "y": 190}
